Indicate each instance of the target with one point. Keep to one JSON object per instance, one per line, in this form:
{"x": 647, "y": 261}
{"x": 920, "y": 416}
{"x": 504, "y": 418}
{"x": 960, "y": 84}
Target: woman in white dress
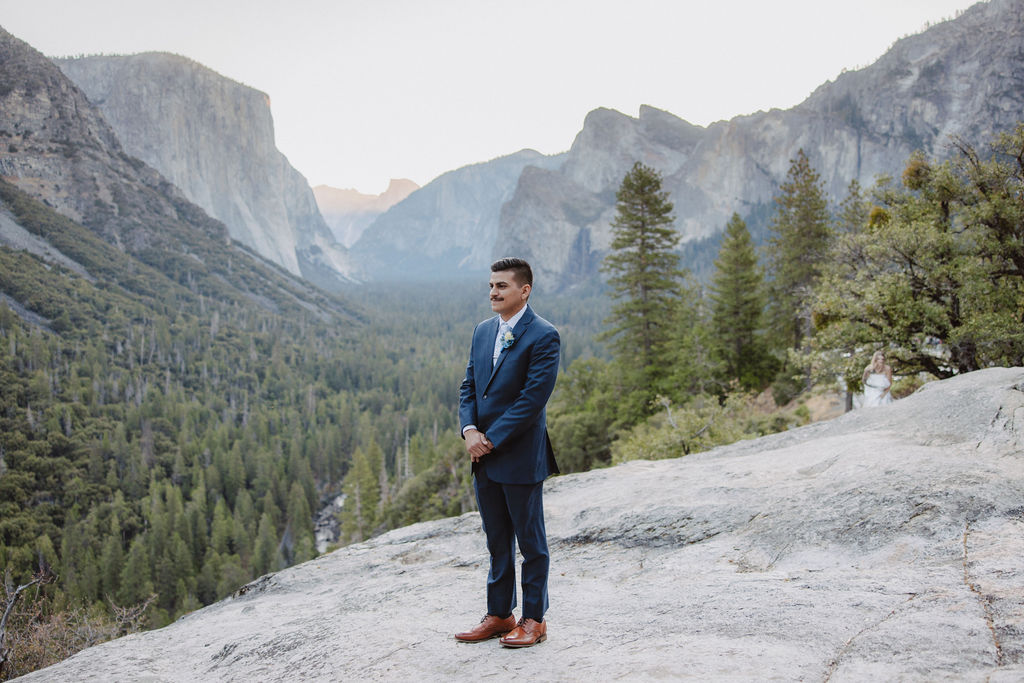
{"x": 877, "y": 382}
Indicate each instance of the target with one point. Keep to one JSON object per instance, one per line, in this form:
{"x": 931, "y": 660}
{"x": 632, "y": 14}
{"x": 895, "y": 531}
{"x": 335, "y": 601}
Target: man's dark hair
{"x": 519, "y": 267}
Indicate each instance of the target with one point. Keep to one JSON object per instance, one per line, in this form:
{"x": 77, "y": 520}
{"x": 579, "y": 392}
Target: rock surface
{"x": 18, "y": 238}
{"x": 214, "y": 139}
{"x": 883, "y": 545}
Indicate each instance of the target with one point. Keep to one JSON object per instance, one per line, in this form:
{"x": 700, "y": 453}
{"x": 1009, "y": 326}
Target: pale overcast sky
{"x": 367, "y": 90}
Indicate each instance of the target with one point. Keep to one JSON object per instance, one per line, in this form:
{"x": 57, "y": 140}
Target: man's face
{"x": 507, "y": 295}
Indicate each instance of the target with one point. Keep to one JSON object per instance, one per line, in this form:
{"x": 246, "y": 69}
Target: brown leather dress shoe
{"x": 528, "y": 632}
{"x": 489, "y": 627}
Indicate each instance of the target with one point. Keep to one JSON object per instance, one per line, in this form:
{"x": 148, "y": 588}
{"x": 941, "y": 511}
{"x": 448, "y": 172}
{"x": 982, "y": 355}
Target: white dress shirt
{"x": 502, "y": 326}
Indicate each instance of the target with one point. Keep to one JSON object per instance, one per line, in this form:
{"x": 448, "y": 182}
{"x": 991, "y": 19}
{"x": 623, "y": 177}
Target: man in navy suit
{"x": 513, "y": 363}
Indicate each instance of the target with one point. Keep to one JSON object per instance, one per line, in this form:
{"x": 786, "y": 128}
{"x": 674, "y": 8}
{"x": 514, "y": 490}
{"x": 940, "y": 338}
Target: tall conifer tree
{"x": 644, "y": 274}
{"x": 737, "y": 308}
{"x": 854, "y": 211}
{"x": 362, "y": 495}
{"x": 797, "y": 250}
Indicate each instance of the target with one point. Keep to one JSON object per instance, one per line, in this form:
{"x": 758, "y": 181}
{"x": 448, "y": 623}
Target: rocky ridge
{"x": 961, "y": 77}
{"x": 56, "y": 147}
{"x": 882, "y": 545}
{"x": 448, "y": 228}
{"x": 214, "y": 139}
{"x": 349, "y": 212}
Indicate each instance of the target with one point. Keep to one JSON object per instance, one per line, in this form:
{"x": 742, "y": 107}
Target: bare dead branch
{"x": 42, "y": 577}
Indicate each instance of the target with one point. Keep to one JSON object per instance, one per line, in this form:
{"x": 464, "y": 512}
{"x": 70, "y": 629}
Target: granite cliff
{"x": 962, "y": 77}
{"x": 882, "y": 545}
{"x": 214, "y": 139}
{"x": 448, "y": 228}
{"x": 349, "y": 212}
{"x": 58, "y": 148}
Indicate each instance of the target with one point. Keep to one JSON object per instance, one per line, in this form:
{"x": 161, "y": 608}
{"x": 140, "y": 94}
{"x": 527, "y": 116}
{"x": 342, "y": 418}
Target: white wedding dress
{"x": 875, "y": 393}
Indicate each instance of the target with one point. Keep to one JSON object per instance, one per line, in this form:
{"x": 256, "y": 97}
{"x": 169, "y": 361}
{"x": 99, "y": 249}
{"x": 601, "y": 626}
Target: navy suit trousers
{"x": 513, "y": 512}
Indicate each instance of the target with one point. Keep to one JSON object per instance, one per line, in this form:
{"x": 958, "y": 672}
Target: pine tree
{"x": 737, "y": 308}
{"x": 112, "y": 558}
{"x": 206, "y": 581}
{"x": 695, "y": 365}
{"x": 232, "y": 575}
{"x": 362, "y": 495}
{"x": 854, "y": 211}
{"x": 300, "y": 522}
{"x": 136, "y": 582}
{"x": 852, "y": 219}
{"x": 797, "y": 250}
{"x": 265, "y": 555}
{"x": 221, "y": 528}
{"x": 644, "y": 275}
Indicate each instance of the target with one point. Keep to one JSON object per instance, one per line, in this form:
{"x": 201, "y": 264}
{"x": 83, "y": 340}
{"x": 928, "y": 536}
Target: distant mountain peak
{"x": 349, "y": 212}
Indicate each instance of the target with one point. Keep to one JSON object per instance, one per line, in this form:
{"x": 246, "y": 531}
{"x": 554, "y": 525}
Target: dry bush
{"x": 36, "y": 639}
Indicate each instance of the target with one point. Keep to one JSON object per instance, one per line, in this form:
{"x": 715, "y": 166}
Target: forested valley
{"x": 162, "y": 445}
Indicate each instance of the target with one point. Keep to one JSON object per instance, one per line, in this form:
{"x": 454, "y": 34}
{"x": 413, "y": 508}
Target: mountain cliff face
{"x": 350, "y": 212}
{"x": 883, "y": 545}
{"x": 448, "y": 228}
{"x": 59, "y": 149}
{"x": 214, "y": 139}
{"x": 963, "y": 77}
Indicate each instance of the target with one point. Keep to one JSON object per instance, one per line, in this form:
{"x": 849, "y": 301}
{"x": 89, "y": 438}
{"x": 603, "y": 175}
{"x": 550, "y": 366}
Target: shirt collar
{"x": 514, "y": 320}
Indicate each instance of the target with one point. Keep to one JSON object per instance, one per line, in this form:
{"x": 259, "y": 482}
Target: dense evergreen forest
{"x": 163, "y": 441}
{"x": 166, "y": 437}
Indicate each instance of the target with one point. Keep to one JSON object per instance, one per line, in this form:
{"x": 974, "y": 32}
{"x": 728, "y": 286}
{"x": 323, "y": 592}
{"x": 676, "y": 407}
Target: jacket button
{"x": 485, "y": 395}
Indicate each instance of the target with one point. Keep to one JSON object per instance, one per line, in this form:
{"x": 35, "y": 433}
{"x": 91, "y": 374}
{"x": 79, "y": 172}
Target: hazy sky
{"x": 366, "y": 90}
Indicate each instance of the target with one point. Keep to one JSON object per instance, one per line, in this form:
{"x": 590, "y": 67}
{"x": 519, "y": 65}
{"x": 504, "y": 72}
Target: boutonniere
{"x": 507, "y": 339}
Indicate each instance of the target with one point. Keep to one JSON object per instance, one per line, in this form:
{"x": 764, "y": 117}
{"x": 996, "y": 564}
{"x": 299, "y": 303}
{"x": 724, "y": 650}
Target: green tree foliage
{"x": 801, "y": 237}
{"x": 676, "y": 431}
{"x": 440, "y": 484}
{"x": 644, "y": 275}
{"x": 362, "y": 497}
{"x": 737, "y": 310}
{"x": 935, "y": 276}
{"x": 854, "y": 211}
{"x": 265, "y": 554}
{"x": 165, "y": 435}
{"x": 581, "y": 414}
{"x": 694, "y": 361}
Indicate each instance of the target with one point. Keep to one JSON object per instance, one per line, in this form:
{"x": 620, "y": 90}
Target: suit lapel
{"x": 517, "y": 332}
{"x": 486, "y": 349}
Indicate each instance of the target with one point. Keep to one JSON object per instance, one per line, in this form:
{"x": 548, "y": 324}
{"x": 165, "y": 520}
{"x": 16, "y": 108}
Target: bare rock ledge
{"x": 884, "y": 545}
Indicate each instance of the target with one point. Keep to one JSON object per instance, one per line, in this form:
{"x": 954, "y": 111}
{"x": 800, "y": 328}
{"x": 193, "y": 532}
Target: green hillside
{"x": 170, "y": 427}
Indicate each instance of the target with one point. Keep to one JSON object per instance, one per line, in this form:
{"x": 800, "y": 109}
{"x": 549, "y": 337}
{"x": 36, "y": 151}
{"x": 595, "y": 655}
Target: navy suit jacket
{"x": 507, "y": 402}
